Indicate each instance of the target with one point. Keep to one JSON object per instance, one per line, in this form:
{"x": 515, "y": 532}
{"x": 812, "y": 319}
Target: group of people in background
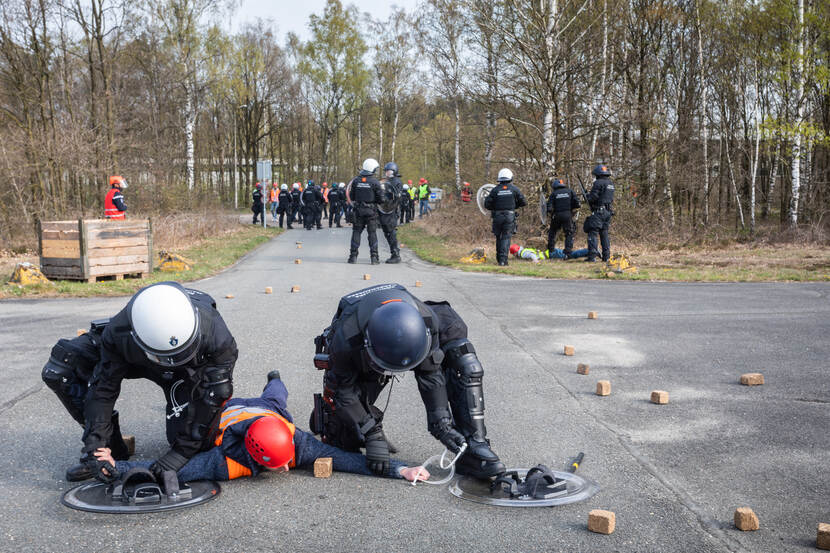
{"x": 562, "y": 206}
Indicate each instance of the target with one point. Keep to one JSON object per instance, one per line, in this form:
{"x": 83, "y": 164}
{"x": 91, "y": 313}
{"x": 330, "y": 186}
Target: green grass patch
{"x": 209, "y": 257}
{"x": 768, "y": 264}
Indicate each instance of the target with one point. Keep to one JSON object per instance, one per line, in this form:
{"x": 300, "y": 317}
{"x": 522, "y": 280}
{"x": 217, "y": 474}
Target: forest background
{"x": 713, "y": 114}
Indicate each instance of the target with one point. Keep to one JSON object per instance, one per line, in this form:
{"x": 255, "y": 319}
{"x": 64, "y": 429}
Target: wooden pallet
{"x": 90, "y": 249}
{"x": 103, "y": 278}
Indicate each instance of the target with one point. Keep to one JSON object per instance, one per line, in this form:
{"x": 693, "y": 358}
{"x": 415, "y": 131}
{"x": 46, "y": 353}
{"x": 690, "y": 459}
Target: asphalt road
{"x": 673, "y": 474}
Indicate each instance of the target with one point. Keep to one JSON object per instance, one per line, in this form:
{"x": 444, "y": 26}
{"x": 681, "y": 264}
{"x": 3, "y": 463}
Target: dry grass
{"x": 659, "y": 254}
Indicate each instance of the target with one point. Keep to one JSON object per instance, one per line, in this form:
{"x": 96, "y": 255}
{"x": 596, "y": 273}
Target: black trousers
{"x": 504, "y": 225}
{"x": 335, "y": 212}
{"x": 365, "y": 217}
{"x": 597, "y": 224}
{"x": 284, "y": 215}
{"x": 257, "y": 209}
{"x": 388, "y": 223}
{"x": 561, "y": 221}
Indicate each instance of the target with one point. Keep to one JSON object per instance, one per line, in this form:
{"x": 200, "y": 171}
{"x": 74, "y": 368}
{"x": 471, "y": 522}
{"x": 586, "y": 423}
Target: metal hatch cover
{"x": 136, "y": 493}
{"x": 574, "y": 488}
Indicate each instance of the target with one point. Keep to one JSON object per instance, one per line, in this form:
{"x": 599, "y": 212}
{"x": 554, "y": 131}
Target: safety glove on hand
{"x": 447, "y": 435}
{"x": 103, "y": 471}
{"x": 377, "y": 451}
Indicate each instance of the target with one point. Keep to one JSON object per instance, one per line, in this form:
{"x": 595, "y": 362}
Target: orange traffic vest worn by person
{"x": 114, "y": 206}
{"x": 273, "y": 193}
{"x": 466, "y": 194}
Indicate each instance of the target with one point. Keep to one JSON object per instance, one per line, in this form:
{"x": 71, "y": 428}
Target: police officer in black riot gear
{"x": 502, "y": 201}
{"x": 382, "y": 331}
{"x": 171, "y": 335}
{"x": 600, "y": 198}
{"x": 561, "y": 205}
{"x": 337, "y": 197}
{"x": 311, "y": 200}
{"x": 296, "y": 196}
{"x": 257, "y": 206}
{"x": 364, "y": 194}
{"x": 284, "y": 205}
{"x": 388, "y": 209}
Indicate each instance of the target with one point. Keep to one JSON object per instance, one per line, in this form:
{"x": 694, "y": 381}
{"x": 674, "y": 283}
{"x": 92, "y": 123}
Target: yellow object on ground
{"x": 26, "y": 273}
{"x": 170, "y": 262}
{"x": 476, "y": 256}
{"x": 620, "y": 264}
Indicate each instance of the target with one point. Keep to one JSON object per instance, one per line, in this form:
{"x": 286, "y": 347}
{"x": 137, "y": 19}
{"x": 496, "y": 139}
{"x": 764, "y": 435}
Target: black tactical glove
{"x": 447, "y": 435}
{"x": 377, "y": 451}
{"x": 104, "y": 471}
{"x": 169, "y": 461}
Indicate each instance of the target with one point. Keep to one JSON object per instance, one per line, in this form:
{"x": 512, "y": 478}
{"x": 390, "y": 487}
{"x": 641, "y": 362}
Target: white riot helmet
{"x": 370, "y": 165}
{"x": 165, "y": 324}
{"x": 296, "y": 186}
{"x": 283, "y": 186}
{"x": 406, "y": 187}
{"x": 505, "y": 175}
{"x": 342, "y": 185}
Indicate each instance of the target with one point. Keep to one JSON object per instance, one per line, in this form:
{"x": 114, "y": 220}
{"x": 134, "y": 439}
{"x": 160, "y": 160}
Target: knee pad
{"x": 218, "y": 387}
{"x": 460, "y": 356}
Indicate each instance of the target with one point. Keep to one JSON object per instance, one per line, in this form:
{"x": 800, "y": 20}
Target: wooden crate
{"x": 95, "y": 248}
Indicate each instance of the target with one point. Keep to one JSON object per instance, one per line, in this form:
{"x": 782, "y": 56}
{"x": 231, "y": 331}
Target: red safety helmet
{"x": 409, "y": 181}
{"x": 514, "y": 249}
{"x": 258, "y": 185}
{"x": 270, "y": 442}
{"x": 423, "y": 180}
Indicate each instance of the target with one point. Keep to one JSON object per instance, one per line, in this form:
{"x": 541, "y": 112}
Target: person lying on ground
{"x": 258, "y": 434}
{"x": 538, "y": 255}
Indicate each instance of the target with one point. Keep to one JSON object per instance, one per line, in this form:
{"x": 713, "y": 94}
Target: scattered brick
{"x": 602, "y": 522}
{"x": 604, "y": 388}
{"x": 569, "y": 350}
{"x": 228, "y": 296}
{"x": 746, "y": 519}
{"x": 823, "y": 536}
{"x": 592, "y": 314}
{"x": 582, "y": 368}
{"x": 322, "y": 467}
{"x": 660, "y": 397}
{"x": 752, "y": 379}
{"x": 269, "y": 290}
{"x": 129, "y": 440}
{"x": 367, "y": 276}
{"x": 299, "y": 246}
{"x": 610, "y": 274}
{"x": 418, "y": 284}
{"x": 298, "y": 262}
{"x": 295, "y": 289}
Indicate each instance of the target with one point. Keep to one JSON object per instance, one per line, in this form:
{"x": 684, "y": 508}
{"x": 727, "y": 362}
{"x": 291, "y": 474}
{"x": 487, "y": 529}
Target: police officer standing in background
{"x": 257, "y": 206}
{"x": 296, "y": 214}
{"x": 404, "y": 207}
{"x": 337, "y": 196}
{"x": 364, "y": 194}
{"x": 311, "y": 200}
{"x": 502, "y": 201}
{"x": 388, "y": 209}
{"x": 284, "y": 205}
{"x": 561, "y": 203}
{"x": 600, "y": 198}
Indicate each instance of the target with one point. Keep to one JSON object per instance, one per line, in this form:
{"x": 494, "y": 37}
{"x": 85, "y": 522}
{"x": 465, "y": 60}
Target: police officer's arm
{"x": 595, "y": 193}
{"x": 432, "y": 386}
{"x": 488, "y": 201}
{"x": 104, "y": 390}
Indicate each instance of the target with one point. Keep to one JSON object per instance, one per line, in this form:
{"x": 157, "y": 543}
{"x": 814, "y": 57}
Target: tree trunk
{"x": 457, "y": 147}
{"x": 799, "y": 98}
{"x": 189, "y": 124}
{"x": 703, "y": 125}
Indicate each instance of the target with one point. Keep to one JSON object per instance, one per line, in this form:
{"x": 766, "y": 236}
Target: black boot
{"x": 479, "y": 461}
{"x": 274, "y": 375}
{"x": 395, "y": 258}
{"x": 375, "y": 259}
{"x": 352, "y": 258}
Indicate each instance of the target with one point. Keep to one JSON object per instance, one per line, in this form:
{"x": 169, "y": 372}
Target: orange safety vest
{"x": 272, "y": 195}
{"x": 110, "y": 211}
{"x": 235, "y": 414}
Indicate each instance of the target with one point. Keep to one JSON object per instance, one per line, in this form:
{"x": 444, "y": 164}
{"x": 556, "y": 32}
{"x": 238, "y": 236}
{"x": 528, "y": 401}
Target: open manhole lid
{"x": 97, "y": 497}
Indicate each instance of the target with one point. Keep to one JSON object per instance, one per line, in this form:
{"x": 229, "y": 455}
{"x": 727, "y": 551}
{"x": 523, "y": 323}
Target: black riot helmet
{"x": 601, "y": 171}
{"x": 396, "y": 338}
{"x": 391, "y": 166}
